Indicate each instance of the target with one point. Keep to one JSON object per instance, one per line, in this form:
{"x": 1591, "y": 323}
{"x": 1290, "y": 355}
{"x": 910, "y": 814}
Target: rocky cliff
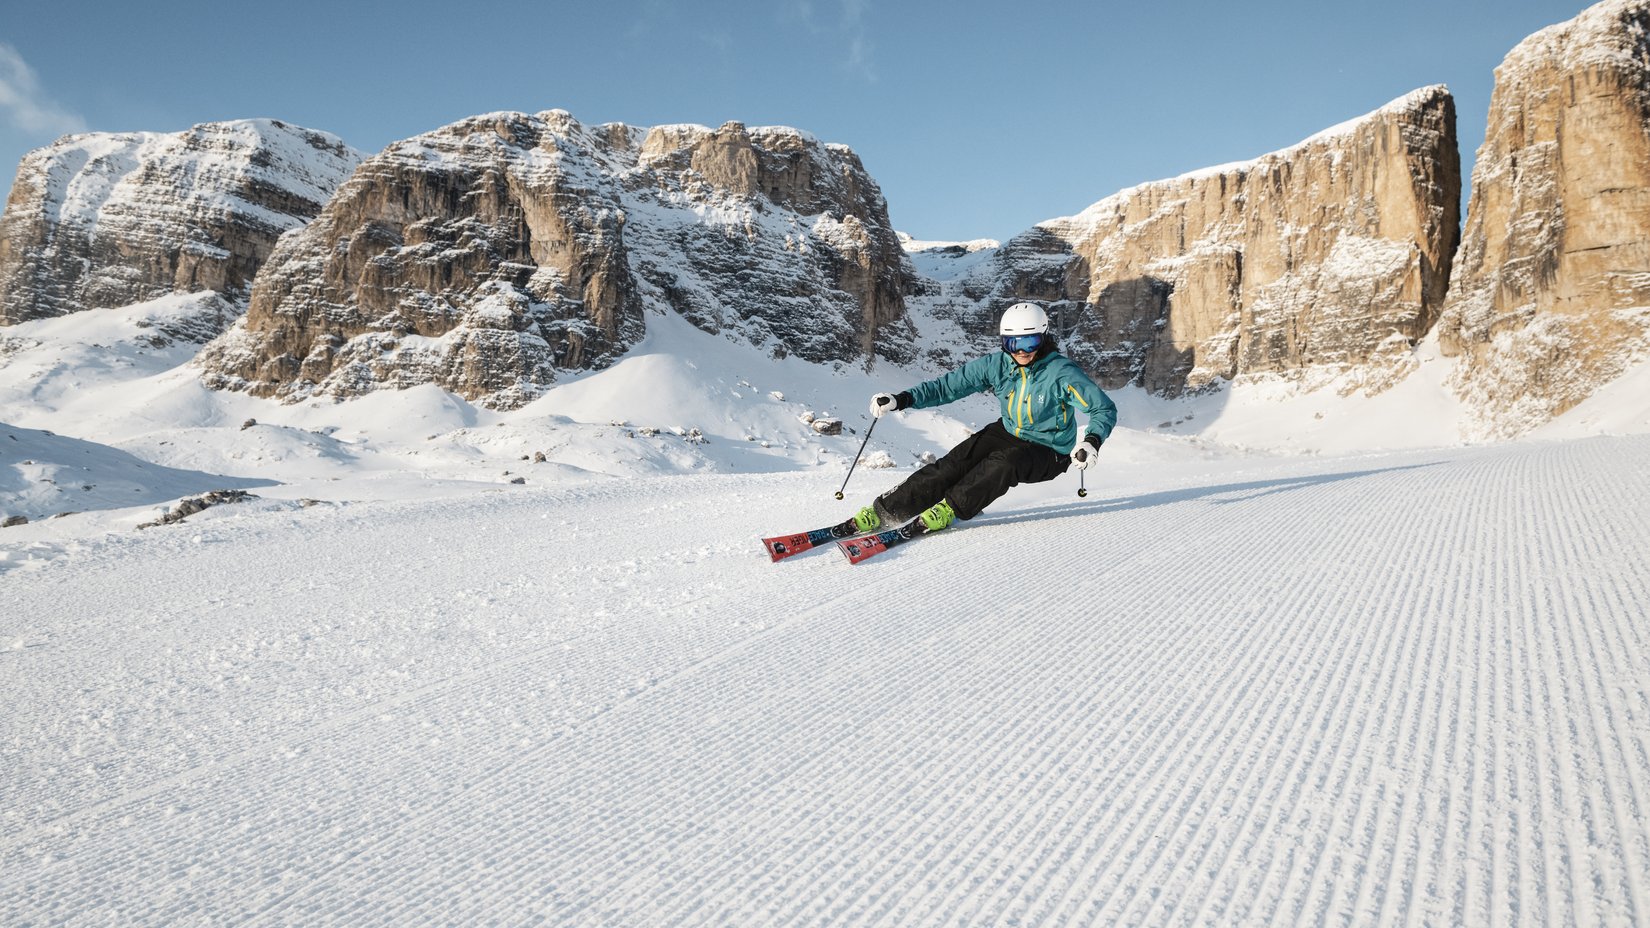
{"x": 1333, "y": 255}
{"x": 1551, "y": 296}
{"x": 103, "y": 220}
{"x": 488, "y": 255}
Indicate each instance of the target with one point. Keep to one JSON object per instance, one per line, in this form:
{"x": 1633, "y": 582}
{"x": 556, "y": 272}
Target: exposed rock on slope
{"x": 1551, "y": 297}
{"x": 1334, "y": 254}
{"x": 103, "y": 220}
{"x": 487, "y": 255}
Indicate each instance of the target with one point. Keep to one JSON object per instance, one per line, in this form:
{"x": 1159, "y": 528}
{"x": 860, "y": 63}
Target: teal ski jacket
{"x": 1039, "y": 401}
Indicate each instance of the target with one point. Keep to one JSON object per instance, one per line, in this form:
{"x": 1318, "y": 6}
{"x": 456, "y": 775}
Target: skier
{"x": 1040, "y": 390}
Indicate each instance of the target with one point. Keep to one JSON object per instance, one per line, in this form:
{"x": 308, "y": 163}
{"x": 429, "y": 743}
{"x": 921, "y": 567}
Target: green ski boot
{"x": 938, "y": 516}
{"x": 866, "y": 520}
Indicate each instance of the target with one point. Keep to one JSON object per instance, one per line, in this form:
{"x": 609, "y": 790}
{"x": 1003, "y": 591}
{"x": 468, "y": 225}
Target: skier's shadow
{"x": 1217, "y": 495}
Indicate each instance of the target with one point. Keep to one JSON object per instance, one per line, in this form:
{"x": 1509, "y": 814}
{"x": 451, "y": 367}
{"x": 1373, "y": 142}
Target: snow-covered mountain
{"x": 496, "y": 255}
{"x": 1332, "y": 265}
{"x": 1327, "y": 258}
{"x": 507, "y": 252}
{"x": 103, "y": 220}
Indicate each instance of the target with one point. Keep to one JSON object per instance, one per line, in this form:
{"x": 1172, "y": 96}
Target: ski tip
{"x": 785, "y": 545}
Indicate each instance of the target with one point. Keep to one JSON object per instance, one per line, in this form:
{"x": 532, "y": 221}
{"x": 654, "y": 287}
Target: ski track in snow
{"x": 1401, "y": 689}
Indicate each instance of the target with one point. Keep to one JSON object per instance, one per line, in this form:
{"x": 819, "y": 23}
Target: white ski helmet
{"x": 1023, "y": 319}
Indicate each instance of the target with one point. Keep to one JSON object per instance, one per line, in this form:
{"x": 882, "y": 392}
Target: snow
{"x": 91, "y": 174}
{"x": 1301, "y": 656}
{"x": 1601, "y": 37}
{"x": 949, "y": 261}
{"x": 1319, "y": 412}
{"x": 1618, "y": 408}
{"x": 1372, "y": 690}
{"x": 1410, "y": 101}
{"x": 42, "y": 474}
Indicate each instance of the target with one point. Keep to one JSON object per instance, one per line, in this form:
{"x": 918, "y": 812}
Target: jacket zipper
{"x": 1025, "y": 402}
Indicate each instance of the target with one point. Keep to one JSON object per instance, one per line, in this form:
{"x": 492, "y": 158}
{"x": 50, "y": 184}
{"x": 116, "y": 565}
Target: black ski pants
{"x": 975, "y": 473}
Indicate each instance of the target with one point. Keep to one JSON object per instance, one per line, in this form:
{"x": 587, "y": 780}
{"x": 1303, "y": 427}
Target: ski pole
{"x": 856, "y": 457}
{"x": 1080, "y": 491}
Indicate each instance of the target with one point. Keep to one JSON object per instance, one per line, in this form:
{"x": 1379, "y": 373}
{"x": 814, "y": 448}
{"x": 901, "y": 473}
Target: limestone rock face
{"x": 796, "y": 251}
{"x": 1551, "y": 296}
{"x": 1332, "y": 255}
{"x": 102, "y": 220}
{"x": 488, "y": 255}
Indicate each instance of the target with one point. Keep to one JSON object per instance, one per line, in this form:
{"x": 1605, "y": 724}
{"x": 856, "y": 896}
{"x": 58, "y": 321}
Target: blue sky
{"x": 977, "y": 119}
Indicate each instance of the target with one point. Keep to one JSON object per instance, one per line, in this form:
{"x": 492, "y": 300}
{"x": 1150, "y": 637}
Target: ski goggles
{"x": 1013, "y": 343}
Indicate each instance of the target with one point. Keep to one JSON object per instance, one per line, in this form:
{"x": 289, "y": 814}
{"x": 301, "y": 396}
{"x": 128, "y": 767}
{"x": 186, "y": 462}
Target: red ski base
{"x": 784, "y": 546}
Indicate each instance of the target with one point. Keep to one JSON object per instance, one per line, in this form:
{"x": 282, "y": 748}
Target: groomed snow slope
{"x": 1391, "y": 689}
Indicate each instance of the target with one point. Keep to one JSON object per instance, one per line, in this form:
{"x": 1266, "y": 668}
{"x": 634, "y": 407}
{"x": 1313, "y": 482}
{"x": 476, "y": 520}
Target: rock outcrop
{"x": 1551, "y": 296}
{"x": 1333, "y": 255}
{"x": 102, "y": 220}
{"x": 488, "y": 255}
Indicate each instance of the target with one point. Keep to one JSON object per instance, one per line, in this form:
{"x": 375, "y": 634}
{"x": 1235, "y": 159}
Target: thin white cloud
{"x": 802, "y": 10}
{"x": 847, "y": 33}
{"x": 849, "y": 29}
{"x": 646, "y": 18}
{"x": 859, "y": 60}
{"x": 25, "y": 105}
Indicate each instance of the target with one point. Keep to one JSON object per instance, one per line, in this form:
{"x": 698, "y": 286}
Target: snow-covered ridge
{"x": 614, "y": 146}
{"x": 946, "y": 264}
{"x": 89, "y": 174}
{"x": 100, "y": 220}
{"x": 1408, "y": 103}
{"x": 1262, "y": 267}
{"x": 1610, "y": 33}
{"x": 914, "y": 246}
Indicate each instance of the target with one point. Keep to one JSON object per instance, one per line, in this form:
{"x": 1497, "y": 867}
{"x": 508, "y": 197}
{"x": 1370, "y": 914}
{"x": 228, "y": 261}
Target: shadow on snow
{"x": 1218, "y": 495}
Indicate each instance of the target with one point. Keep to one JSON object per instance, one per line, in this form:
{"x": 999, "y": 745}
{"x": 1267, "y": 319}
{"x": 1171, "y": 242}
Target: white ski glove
{"x": 1083, "y": 454}
{"x": 883, "y": 403}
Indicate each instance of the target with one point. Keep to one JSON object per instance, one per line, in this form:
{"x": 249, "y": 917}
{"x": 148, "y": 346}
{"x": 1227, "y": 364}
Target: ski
{"x": 783, "y": 546}
{"x": 858, "y": 549}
